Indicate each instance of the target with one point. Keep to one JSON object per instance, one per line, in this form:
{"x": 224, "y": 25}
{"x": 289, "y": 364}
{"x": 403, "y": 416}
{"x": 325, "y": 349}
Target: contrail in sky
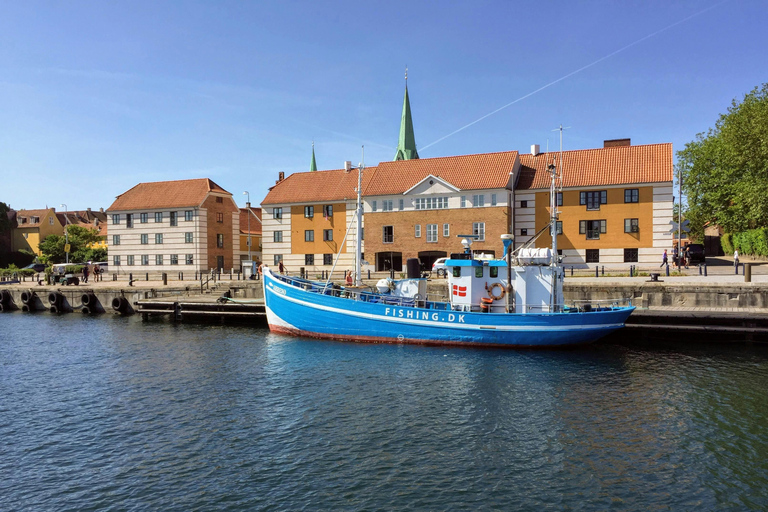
{"x": 550, "y": 84}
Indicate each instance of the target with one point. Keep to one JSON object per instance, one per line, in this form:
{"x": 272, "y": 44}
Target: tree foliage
{"x": 5, "y": 223}
{"x": 725, "y": 171}
{"x": 52, "y": 247}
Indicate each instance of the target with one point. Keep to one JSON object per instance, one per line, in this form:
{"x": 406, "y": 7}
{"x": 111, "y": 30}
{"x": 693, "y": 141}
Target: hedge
{"x": 753, "y": 242}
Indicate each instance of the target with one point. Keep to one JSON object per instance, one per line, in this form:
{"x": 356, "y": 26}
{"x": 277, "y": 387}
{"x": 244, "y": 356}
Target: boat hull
{"x": 295, "y": 311}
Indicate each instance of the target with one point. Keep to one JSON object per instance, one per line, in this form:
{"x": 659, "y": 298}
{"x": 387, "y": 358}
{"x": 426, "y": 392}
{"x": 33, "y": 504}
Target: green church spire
{"x": 406, "y": 145}
{"x": 313, "y": 165}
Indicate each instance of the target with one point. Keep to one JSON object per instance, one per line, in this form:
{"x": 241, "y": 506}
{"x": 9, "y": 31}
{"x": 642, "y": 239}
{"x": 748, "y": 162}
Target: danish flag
{"x": 461, "y": 291}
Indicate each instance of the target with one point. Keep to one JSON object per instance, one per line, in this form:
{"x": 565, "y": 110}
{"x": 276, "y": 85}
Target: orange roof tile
{"x": 317, "y": 186}
{"x": 28, "y": 214}
{"x": 166, "y": 194}
{"x": 621, "y": 165}
{"x": 255, "y": 224}
{"x": 467, "y": 172}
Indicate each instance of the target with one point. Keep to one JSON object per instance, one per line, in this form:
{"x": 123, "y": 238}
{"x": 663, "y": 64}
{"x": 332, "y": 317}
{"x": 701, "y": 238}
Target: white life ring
{"x": 491, "y": 293}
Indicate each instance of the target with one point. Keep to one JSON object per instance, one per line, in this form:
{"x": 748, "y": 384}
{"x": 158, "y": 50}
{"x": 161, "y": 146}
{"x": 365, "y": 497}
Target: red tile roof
{"x": 28, "y": 214}
{"x": 622, "y": 165}
{"x": 317, "y": 186}
{"x": 255, "y": 224}
{"x": 166, "y": 194}
{"x": 467, "y": 172}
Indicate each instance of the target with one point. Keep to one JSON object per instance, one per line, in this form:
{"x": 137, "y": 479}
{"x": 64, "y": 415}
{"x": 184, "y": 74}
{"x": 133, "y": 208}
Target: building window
{"x": 189, "y": 214}
{"x": 446, "y": 230}
{"x": 327, "y": 259}
{"x": 386, "y": 205}
{"x": 401, "y": 204}
{"x": 478, "y": 228}
{"x": 188, "y": 238}
{"x": 463, "y": 201}
{"x": 277, "y": 236}
{"x": 129, "y": 259}
{"x": 143, "y": 218}
{"x": 190, "y": 259}
{"x": 593, "y": 199}
{"x": 373, "y": 206}
{"x": 219, "y": 199}
{"x": 278, "y": 258}
{"x": 327, "y": 235}
{"x": 174, "y": 219}
{"x": 478, "y": 200}
{"x": 309, "y": 235}
{"x": 593, "y": 256}
{"x": 219, "y": 240}
{"x": 388, "y": 234}
{"x": 328, "y": 211}
{"x": 493, "y": 199}
{"x": 523, "y": 232}
{"x": 309, "y": 212}
{"x": 50, "y": 219}
{"x": 145, "y": 259}
{"x": 630, "y": 255}
{"x": 144, "y": 239}
{"x": 115, "y": 239}
{"x": 309, "y": 259}
{"x": 559, "y": 227}
{"x": 115, "y": 219}
{"x": 431, "y": 232}
{"x": 158, "y": 217}
{"x": 559, "y": 198}
{"x": 219, "y": 217}
{"x": 592, "y": 228}
{"x": 116, "y": 261}
{"x": 158, "y": 238}
{"x": 431, "y": 203}
{"x": 523, "y": 204}
{"x": 417, "y": 230}
{"x": 158, "y": 259}
{"x": 174, "y": 259}
{"x": 129, "y": 220}
{"x": 631, "y": 195}
{"x": 631, "y": 226}
{"x": 277, "y": 213}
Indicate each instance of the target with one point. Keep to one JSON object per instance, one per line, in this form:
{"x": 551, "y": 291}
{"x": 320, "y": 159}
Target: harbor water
{"x": 116, "y": 413}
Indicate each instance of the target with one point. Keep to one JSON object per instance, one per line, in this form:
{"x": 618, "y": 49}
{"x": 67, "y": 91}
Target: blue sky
{"x": 96, "y": 97}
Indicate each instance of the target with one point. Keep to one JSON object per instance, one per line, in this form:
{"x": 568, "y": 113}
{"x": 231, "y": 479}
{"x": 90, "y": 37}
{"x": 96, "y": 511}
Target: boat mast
{"x": 359, "y": 248}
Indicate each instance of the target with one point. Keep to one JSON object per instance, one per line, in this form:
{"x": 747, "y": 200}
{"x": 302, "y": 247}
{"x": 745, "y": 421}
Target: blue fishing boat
{"x": 516, "y": 301}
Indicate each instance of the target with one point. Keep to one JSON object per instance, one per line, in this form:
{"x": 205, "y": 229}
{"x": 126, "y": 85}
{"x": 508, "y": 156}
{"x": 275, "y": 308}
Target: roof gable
{"x": 432, "y": 185}
{"x": 167, "y": 194}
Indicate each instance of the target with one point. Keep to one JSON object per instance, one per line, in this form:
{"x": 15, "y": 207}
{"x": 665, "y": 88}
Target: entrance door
{"x": 220, "y": 262}
{"x": 389, "y": 261}
{"x": 427, "y": 258}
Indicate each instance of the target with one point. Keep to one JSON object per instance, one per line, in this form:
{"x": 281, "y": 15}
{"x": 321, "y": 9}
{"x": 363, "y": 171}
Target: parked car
{"x": 696, "y": 254}
{"x": 438, "y": 267}
{"x": 37, "y": 267}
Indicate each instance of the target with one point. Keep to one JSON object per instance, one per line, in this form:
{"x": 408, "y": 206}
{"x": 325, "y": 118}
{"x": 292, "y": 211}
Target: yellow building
{"x": 32, "y": 226}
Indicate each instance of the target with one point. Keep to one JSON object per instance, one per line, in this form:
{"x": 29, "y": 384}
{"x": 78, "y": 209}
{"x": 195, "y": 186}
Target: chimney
{"x": 615, "y": 143}
{"x": 101, "y": 209}
{"x": 88, "y": 210}
{"x": 280, "y": 177}
{"x": 535, "y": 149}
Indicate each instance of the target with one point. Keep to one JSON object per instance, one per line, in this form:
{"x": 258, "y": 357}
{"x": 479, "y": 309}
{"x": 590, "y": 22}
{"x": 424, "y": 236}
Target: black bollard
{"x": 667, "y": 265}
{"x": 597, "y": 271}
{"x": 369, "y": 273}
{"x": 147, "y": 276}
{"x": 571, "y": 270}
{"x": 603, "y": 271}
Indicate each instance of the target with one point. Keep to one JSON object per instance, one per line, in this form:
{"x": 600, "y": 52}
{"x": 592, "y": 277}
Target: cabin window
{"x": 456, "y": 271}
{"x": 479, "y": 271}
{"x": 631, "y": 195}
{"x": 494, "y": 271}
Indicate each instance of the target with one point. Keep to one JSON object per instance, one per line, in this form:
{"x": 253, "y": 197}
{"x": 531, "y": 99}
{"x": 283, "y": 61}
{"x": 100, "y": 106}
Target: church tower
{"x": 406, "y": 145}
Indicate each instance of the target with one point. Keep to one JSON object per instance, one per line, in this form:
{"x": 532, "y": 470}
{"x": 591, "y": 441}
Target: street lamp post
{"x": 66, "y": 233}
{"x": 248, "y": 207}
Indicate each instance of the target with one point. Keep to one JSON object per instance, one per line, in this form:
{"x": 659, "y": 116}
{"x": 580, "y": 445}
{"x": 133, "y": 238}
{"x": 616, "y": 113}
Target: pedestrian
{"x": 349, "y": 278}
{"x": 736, "y": 260}
{"x": 675, "y": 259}
{"x": 281, "y": 267}
{"x": 687, "y": 255}
{"x": 85, "y": 273}
{"x": 663, "y": 258}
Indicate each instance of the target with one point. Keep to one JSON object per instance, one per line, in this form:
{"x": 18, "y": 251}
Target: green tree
{"x": 52, "y": 247}
{"x": 725, "y": 171}
{"x": 5, "y": 223}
